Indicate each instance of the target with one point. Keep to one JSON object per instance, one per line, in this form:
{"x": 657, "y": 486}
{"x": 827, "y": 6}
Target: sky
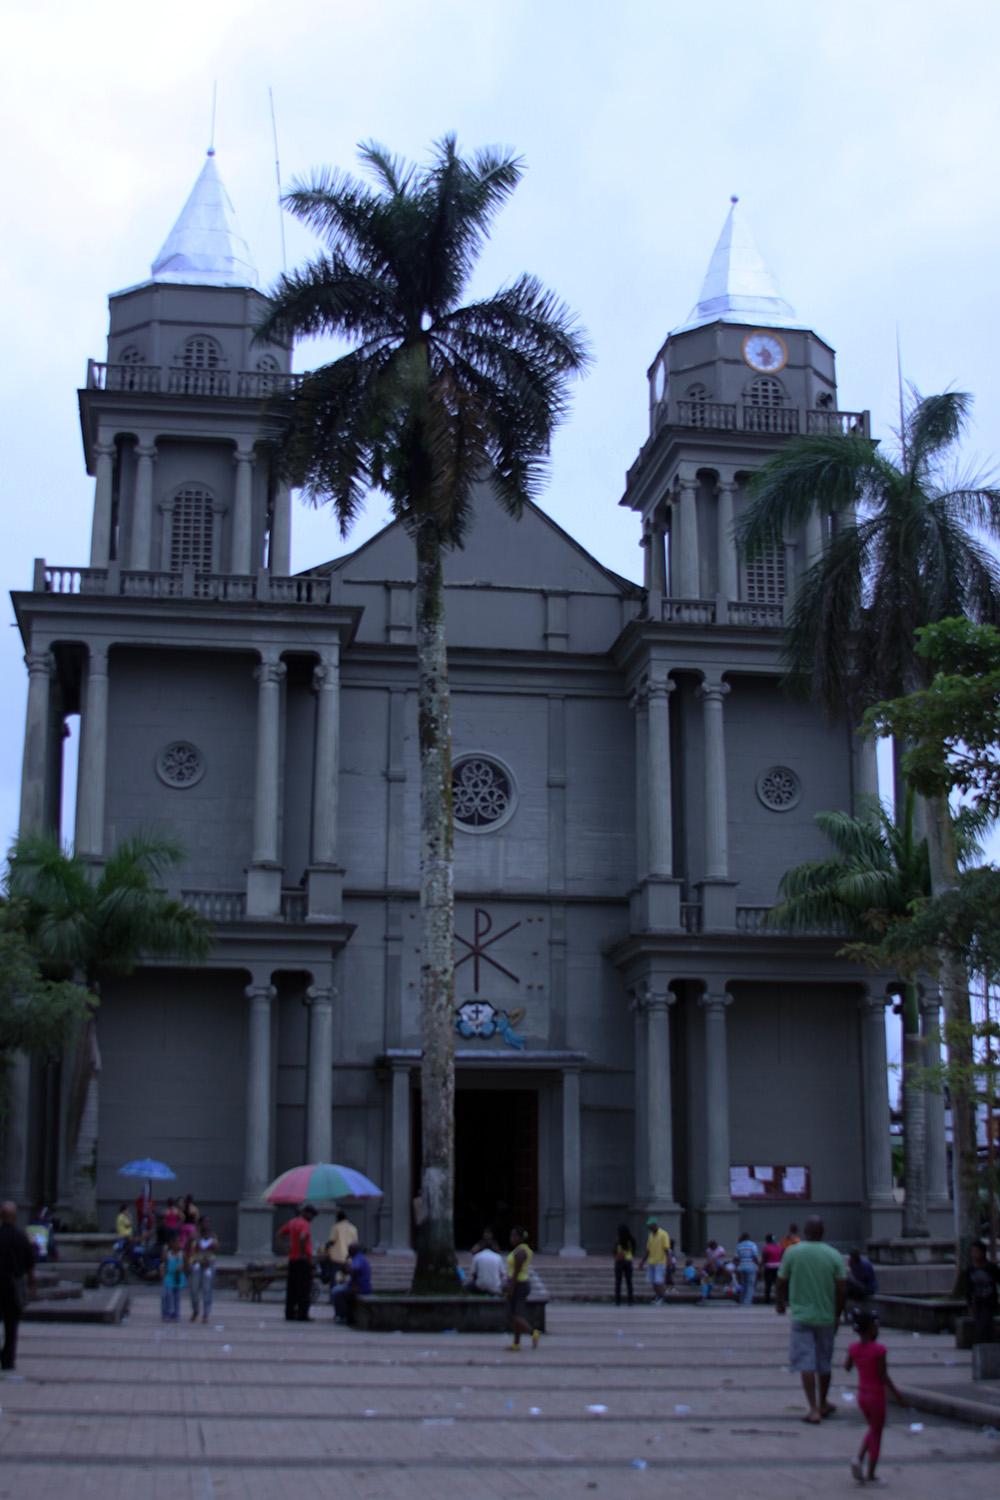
{"x": 861, "y": 139}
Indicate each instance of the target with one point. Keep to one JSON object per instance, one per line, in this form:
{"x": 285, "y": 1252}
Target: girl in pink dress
{"x": 869, "y": 1357}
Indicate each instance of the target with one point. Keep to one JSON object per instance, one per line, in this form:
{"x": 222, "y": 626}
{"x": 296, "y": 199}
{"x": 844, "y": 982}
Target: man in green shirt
{"x": 812, "y": 1280}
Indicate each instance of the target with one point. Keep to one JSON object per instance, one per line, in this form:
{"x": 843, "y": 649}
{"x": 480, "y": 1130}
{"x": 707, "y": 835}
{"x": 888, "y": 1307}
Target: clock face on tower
{"x": 765, "y": 352}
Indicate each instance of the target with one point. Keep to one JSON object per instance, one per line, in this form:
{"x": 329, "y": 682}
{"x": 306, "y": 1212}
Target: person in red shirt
{"x": 868, "y": 1357}
{"x": 298, "y": 1287}
{"x": 770, "y": 1256}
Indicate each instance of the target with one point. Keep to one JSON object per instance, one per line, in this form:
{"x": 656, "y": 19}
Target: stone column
{"x": 264, "y": 876}
{"x": 659, "y": 1113}
{"x": 728, "y": 586}
{"x": 319, "y": 1078}
{"x": 720, "y": 1212}
{"x": 280, "y": 550}
{"x": 661, "y": 858}
{"x": 325, "y": 876}
{"x": 657, "y": 558}
{"x": 864, "y": 769}
{"x": 254, "y": 1230}
{"x": 36, "y": 815}
{"x": 141, "y": 551}
{"x": 92, "y": 775}
{"x": 242, "y": 512}
{"x": 100, "y": 535}
{"x": 640, "y": 1091}
{"x": 400, "y": 1156}
{"x": 571, "y": 1162}
{"x": 688, "y": 573}
{"x": 639, "y": 704}
{"x": 716, "y": 891}
{"x": 883, "y": 1214}
{"x": 938, "y": 1199}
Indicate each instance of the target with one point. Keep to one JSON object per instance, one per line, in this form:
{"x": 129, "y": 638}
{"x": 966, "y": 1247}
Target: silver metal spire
{"x": 206, "y": 246}
{"x": 738, "y": 286}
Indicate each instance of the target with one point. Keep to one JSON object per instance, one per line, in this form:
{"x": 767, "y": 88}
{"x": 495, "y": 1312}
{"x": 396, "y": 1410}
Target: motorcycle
{"x": 130, "y": 1258}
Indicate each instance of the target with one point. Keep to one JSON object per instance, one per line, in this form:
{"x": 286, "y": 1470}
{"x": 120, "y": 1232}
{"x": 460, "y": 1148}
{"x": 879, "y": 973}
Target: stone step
{"x": 89, "y": 1307}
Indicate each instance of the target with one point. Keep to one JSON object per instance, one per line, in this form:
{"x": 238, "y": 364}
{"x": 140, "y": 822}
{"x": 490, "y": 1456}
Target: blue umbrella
{"x": 148, "y": 1168}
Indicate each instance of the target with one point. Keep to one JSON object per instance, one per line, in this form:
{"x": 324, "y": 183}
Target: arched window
{"x": 765, "y": 391}
{"x": 127, "y": 373}
{"x": 267, "y": 364}
{"x": 198, "y": 369}
{"x": 193, "y": 524}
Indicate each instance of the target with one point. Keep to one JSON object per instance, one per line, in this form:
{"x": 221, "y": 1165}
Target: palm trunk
{"x": 914, "y": 1119}
{"x": 958, "y": 1036}
{"x": 435, "y": 1268}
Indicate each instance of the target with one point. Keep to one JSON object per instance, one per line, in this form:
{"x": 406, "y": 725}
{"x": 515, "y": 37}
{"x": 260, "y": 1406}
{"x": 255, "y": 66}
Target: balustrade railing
{"x": 294, "y": 905}
{"x": 781, "y": 419}
{"x": 715, "y": 414}
{"x": 217, "y": 906}
{"x": 310, "y": 588}
{"x": 727, "y": 416}
{"x": 837, "y": 423}
{"x": 752, "y": 921}
{"x": 770, "y": 615}
{"x": 688, "y": 611}
{"x": 159, "y": 380}
{"x": 691, "y": 917}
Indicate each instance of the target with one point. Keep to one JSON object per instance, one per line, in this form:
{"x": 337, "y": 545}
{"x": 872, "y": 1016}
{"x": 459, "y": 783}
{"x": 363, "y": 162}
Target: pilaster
{"x": 719, "y": 1210}
{"x": 687, "y": 584}
{"x": 264, "y": 875}
{"x": 319, "y": 1074}
{"x": 36, "y": 815}
{"x": 240, "y": 561}
{"x": 92, "y": 775}
{"x": 141, "y": 551}
{"x": 882, "y": 1212}
{"x": 571, "y": 1163}
{"x": 100, "y": 535}
{"x": 656, "y": 904}
{"x": 716, "y": 891}
{"x": 728, "y": 579}
{"x": 655, "y": 1186}
{"x": 326, "y": 878}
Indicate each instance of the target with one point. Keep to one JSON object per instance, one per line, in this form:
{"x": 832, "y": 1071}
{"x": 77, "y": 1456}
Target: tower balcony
{"x": 780, "y": 420}
{"x": 160, "y": 380}
{"x": 718, "y": 611}
{"x": 114, "y": 581}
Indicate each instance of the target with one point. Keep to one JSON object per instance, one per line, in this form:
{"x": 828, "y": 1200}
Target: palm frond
{"x": 816, "y": 474}
{"x": 932, "y": 424}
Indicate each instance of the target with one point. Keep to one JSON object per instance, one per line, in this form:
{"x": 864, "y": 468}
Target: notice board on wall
{"x": 770, "y": 1184}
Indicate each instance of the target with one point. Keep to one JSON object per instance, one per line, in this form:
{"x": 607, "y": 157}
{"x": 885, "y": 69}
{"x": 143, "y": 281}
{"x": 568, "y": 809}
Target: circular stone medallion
{"x": 779, "y": 788}
{"x": 180, "y": 764}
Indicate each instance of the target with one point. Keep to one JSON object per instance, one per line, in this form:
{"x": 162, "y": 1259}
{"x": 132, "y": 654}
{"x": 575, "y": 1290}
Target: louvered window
{"x": 201, "y": 354}
{"x": 191, "y": 535}
{"x": 765, "y": 577}
{"x": 765, "y": 392}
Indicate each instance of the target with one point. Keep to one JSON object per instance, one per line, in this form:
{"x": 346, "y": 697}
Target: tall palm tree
{"x": 433, "y": 398}
{"x": 85, "y": 930}
{"x": 877, "y": 870}
{"x": 906, "y": 546}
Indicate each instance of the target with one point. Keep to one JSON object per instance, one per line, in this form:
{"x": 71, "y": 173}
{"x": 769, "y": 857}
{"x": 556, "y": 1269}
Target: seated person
{"x": 487, "y": 1269}
{"x": 692, "y": 1276}
{"x": 338, "y": 1249}
{"x": 359, "y": 1284}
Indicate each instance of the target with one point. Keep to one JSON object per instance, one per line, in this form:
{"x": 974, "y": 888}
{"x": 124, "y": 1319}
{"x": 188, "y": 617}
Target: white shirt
{"x": 487, "y": 1271}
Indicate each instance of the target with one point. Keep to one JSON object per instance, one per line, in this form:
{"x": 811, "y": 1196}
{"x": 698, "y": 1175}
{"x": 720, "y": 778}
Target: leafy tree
{"x": 905, "y": 548}
{"x": 952, "y": 726}
{"x": 867, "y": 886}
{"x": 37, "y": 1015}
{"x": 434, "y": 398}
{"x": 80, "y": 930}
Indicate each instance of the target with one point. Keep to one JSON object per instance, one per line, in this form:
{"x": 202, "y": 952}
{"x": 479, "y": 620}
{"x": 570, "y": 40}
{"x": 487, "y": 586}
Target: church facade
{"x": 630, "y": 784}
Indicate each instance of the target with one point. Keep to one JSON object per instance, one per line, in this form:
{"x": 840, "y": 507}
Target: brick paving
{"x": 249, "y": 1408}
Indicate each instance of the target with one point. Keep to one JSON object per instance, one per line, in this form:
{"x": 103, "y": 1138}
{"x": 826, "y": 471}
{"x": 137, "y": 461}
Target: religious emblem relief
{"x": 479, "y": 1017}
{"x": 779, "y": 788}
{"x": 483, "y": 793}
{"x": 180, "y": 765}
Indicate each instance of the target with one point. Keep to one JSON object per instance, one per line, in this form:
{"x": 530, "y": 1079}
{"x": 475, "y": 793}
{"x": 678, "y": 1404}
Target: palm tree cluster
{"x": 907, "y": 545}
{"x": 436, "y": 396}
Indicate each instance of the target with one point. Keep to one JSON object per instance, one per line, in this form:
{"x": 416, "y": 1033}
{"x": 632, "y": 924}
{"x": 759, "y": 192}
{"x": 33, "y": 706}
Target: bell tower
{"x": 728, "y": 387}
{"x": 173, "y": 422}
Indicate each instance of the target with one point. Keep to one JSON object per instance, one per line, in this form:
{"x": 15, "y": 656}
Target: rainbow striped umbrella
{"x": 320, "y": 1182}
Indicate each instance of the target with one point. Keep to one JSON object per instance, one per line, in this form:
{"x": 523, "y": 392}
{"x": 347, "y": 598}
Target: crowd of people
{"x": 180, "y": 1242}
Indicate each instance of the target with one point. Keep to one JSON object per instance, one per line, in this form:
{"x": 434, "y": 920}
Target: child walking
{"x": 869, "y": 1357}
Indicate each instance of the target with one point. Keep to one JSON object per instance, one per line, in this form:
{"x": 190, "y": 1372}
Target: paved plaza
{"x": 635, "y": 1401}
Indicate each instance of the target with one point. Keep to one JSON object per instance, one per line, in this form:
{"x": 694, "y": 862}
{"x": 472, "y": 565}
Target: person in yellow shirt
{"x": 518, "y": 1288}
{"x": 123, "y": 1223}
{"x": 656, "y": 1259}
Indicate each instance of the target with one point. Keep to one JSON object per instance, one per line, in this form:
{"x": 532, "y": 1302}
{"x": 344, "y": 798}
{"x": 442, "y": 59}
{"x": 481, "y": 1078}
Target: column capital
{"x": 712, "y": 692}
{"x": 646, "y": 999}
{"x": 105, "y": 448}
{"x": 326, "y": 672}
{"x": 638, "y": 698}
{"x": 270, "y": 671}
{"x": 930, "y": 1003}
{"x": 242, "y": 454}
{"x": 260, "y": 994}
{"x": 715, "y": 1004}
{"x": 870, "y": 1005}
{"x": 320, "y": 994}
{"x": 146, "y": 449}
{"x": 658, "y": 687}
{"x": 39, "y": 662}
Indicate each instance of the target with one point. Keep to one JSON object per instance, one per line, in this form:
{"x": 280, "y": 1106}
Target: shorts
{"x": 656, "y": 1275}
{"x": 810, "y": 1348}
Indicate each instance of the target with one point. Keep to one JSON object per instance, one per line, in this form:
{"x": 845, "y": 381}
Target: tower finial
{"x": 734, "y": 197}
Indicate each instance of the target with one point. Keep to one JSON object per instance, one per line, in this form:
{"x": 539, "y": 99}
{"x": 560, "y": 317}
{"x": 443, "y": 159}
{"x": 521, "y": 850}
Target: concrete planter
{"x": 918, "y": 1314}
{"x": 440, "y": 1314}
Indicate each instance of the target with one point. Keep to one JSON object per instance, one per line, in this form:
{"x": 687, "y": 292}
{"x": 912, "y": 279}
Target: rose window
{"x": 779, "y": 788}
{"x": 482, "y": 792}
{"x": 180, "y": 764}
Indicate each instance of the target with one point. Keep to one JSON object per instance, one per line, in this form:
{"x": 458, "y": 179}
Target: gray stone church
{"x": 630, "y": 784}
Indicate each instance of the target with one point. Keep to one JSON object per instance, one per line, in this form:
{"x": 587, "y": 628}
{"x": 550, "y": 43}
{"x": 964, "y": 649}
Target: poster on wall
{"x": 773, "y": 1183}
